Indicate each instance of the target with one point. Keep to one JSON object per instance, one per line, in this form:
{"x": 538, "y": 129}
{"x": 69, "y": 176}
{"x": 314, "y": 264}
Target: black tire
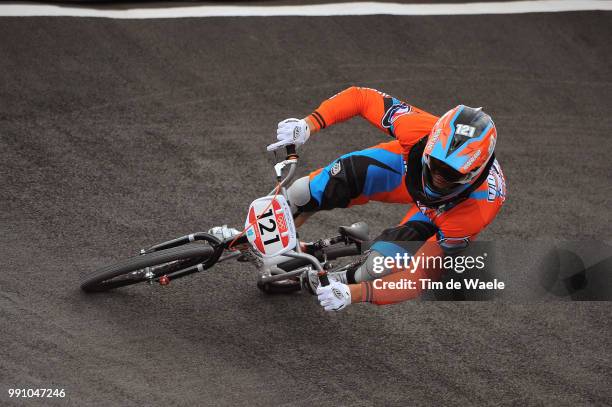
{"x": 292, "y": 285}
{"x": 116, "y": 275}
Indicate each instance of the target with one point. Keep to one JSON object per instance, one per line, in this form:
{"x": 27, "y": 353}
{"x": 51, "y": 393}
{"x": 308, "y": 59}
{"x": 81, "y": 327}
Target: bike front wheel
{"x": 146, "y": 267}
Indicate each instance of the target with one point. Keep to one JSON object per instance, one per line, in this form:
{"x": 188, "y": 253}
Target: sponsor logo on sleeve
{"x": 394, "y": 113}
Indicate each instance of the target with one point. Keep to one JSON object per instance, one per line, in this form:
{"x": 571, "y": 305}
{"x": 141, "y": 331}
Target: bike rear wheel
{"x": 146, "y": 267}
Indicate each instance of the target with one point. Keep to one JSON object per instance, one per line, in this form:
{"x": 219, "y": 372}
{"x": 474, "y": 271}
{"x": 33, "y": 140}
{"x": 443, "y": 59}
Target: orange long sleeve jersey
{"x": 408, "y": 124}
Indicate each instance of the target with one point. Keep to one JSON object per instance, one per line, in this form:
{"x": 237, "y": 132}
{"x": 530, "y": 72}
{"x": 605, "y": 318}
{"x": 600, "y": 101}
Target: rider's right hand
{"x": 335, "y": 296}
{"x": 291, "y": 131}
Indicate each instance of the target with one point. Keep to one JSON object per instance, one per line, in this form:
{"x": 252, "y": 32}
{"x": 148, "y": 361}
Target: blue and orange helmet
{"x": 458, "y": 148}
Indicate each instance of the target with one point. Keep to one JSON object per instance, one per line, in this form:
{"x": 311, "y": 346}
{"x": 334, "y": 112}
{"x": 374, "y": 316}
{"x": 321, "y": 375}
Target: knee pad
{"x": 299, "y": 194}
{"x": 370, "y": 269}
{"x": 402, "y": 240}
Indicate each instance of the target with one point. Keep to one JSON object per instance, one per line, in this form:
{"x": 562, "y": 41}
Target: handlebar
{"x": 290, "y": 151}
{"x": 291, "y": 161}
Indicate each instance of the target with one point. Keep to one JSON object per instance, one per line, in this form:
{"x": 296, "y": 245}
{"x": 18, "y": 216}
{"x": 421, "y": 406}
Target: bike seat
{"x": 359, "y": 231}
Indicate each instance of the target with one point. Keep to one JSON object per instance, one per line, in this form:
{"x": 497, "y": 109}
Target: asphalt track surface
{"x": 120, "y": 134}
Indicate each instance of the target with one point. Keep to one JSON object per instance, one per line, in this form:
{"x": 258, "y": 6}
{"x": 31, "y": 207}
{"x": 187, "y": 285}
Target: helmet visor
{"x": 441, "y": 177}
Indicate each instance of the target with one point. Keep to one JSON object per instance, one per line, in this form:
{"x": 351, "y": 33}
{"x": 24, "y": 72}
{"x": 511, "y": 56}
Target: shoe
{"x": 310, "y": 279}
{"x": 223, "y": 233}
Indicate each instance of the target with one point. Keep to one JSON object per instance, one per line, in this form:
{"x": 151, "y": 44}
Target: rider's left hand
{"x": 334, "y": 297}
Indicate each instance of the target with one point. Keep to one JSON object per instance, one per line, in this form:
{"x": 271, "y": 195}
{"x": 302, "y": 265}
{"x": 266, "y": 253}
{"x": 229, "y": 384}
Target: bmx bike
{"x": 269, "y": 241}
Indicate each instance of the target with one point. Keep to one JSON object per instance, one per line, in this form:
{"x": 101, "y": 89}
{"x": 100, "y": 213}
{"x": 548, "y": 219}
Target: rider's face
{"x": 439, "y": 182}
{"x": 441, "y": 176}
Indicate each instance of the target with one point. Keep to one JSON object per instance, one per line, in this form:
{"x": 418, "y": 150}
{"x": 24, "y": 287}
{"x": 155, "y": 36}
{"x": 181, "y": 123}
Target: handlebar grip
{"x": 290, "y": 149}
{"x": 323, "y": 279}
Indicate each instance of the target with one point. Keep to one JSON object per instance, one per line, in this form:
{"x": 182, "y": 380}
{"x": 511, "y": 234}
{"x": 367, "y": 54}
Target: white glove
{"x": 334, "y": 297}
{"x": 291, "y": 131}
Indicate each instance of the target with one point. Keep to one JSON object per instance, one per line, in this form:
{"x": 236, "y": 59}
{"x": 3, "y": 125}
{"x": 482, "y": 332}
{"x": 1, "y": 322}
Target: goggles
{"x": 443, "y": 178}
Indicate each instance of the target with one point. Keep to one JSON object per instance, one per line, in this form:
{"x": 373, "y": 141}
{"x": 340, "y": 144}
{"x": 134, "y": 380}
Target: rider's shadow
{"x": 461, "y": 283}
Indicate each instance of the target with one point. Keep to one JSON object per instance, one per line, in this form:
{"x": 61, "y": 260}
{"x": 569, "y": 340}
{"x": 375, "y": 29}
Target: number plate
{"x": 271, "y": 230}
